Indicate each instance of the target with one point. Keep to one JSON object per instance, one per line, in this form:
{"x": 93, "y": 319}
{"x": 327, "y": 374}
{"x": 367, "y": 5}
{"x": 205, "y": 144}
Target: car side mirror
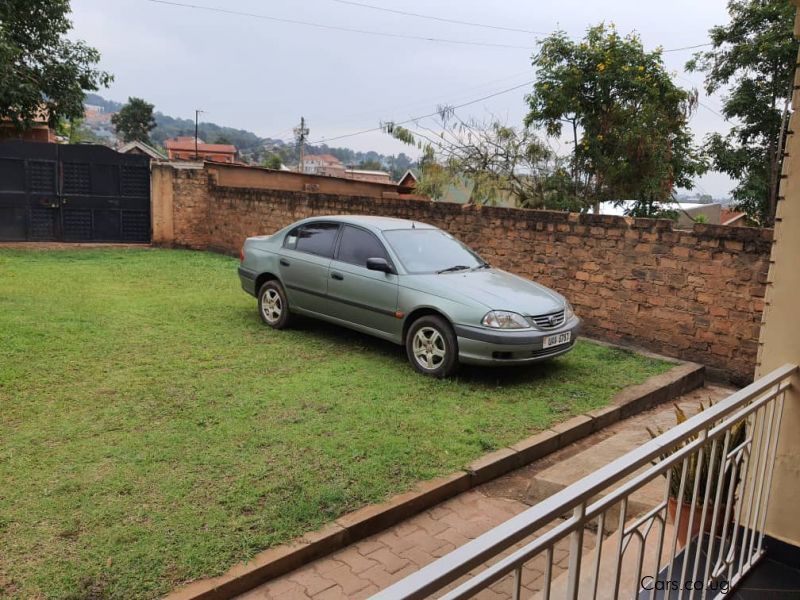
{"x": 379, "y": 264}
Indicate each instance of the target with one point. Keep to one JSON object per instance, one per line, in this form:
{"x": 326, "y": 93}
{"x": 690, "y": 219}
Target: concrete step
{"x": 628, "y": 435}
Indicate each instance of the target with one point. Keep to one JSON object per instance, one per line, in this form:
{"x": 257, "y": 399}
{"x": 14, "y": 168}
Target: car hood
{"x": 495, "y": 289}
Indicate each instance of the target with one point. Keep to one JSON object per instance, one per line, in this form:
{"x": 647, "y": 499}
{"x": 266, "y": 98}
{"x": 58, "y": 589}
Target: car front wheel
{"x": 431, "y": 346}
{"x": 273, "y": 307}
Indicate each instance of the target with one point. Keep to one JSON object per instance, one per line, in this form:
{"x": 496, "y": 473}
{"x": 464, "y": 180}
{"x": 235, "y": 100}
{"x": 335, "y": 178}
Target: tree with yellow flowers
{"x": 628, "y": 119}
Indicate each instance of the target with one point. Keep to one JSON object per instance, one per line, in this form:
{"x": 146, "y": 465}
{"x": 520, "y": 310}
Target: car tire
{"x": 431, "y": 346}
{"x": 273, "y": 307}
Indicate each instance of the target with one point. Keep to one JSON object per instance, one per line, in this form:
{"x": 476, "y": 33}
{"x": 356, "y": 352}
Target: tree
{"x": 76, "y": 132}
{"x": 222, "y": 139}
{"x": 754, "y": 57}
{"x": 134, "y": 121}
{"x": 370, "y": 165}
{"x": 273, "y": 161}
{"x": 494, "y": 161}
{"x": 629, "y": 121}
{"x": 41, "y": 72}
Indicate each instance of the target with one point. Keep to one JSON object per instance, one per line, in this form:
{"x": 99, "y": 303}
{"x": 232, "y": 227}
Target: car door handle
{"x": 284, "y": 262}
{"x": 337, "y": 276}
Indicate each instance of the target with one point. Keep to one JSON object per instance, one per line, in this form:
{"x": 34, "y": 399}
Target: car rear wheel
{"x": 273, "y": 308}
{"x": 431, "y": 346}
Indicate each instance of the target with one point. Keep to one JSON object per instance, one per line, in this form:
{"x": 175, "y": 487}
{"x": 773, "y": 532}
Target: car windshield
{"x": 431, "y": 251}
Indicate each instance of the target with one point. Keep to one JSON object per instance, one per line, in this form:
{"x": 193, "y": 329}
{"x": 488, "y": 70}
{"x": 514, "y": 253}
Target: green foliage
{"x": 708, "y": 463}
{"x": 76, "y": 132}
{"x": 493, "y": 161}
{"x": 629, "y": 120}
{"x": 40, "y": 69}
{"x": 753, "y": 58}
{"x": 134, "y": 121}
{"x": 272, "y": 161}
{"x": 370, "y": 165}
{"x": 154, "y": 431}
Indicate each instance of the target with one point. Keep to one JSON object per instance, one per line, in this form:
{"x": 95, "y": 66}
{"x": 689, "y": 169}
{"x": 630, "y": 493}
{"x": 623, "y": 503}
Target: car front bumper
{"x": 483, "y": 346}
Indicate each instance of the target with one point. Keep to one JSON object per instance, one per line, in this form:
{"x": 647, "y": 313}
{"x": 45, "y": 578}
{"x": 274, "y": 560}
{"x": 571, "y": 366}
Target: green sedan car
{"x": 406, "y": 282}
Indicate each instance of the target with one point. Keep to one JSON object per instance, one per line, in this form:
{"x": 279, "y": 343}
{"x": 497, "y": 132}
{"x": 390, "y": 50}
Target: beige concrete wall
{"x": 780, "y": 337}
{"x": 161, "y": 186}
{"x": 289, "y": 181}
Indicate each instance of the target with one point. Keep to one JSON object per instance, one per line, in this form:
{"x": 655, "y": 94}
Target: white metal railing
{"x": 727, "y": 492}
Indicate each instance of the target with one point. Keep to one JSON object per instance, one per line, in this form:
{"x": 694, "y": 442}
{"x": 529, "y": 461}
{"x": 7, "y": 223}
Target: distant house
{"x": 408, "y": 182}
{"x": 368, "y": 175}
{"x": 184, "y": 148}
{"x": 688, "y": 212}
{"x": 137, "y": 147}
{"x": 40, "y": 130}
{"x": 733, "y": 218}
{"x": 458, "y": 192}
{"x": 323, "y": 164}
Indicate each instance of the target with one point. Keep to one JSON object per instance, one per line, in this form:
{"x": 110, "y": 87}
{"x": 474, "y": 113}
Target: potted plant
{"x": 684, "y": 504}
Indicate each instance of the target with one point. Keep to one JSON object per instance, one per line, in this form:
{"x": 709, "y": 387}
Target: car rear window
{"x": 357, "y": 245}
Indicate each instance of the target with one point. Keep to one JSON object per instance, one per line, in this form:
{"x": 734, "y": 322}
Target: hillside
{"x": 252, "y": 148}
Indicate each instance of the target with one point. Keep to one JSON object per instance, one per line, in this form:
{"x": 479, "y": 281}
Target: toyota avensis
{"x": 410, "y": 283}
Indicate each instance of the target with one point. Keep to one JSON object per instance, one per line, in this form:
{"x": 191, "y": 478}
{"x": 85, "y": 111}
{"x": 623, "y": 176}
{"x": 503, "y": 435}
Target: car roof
{"x": 373, "y": 222}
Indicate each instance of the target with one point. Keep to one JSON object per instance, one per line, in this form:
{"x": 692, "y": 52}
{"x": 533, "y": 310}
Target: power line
{"x": 422, "y": 38}
{"x": 441, "y": 19}
{"x": 227, "y": 11}
{"x": 688, "y": 47}
{"x": 413, "y": 119}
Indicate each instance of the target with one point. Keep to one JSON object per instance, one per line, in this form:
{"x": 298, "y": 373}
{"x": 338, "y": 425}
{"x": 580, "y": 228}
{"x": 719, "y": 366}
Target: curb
{"x": 372, "y": 519}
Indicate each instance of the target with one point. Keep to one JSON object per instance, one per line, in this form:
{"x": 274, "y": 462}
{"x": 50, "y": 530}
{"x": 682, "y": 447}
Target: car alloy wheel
{"x": 429, "y": 348}
{"x": 271, "y": 306}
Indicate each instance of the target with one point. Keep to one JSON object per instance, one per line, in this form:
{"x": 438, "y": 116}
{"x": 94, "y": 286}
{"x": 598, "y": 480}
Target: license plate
{"x": 557, "y": 339}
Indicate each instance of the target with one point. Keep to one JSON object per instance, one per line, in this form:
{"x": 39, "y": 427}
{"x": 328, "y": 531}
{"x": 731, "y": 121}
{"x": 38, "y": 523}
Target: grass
{"x": 153, "y": 431}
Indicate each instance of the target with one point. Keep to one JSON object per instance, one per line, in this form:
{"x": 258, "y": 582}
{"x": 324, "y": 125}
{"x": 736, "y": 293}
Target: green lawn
{"x": 153, "y": 431}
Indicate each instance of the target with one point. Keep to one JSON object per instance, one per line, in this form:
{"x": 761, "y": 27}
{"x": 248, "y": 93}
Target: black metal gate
{"x": 73, "y": 193}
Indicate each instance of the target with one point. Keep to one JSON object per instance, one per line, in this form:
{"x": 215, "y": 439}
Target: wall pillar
{"x": 780, "y": 335}
{"x": 161, "y": 202}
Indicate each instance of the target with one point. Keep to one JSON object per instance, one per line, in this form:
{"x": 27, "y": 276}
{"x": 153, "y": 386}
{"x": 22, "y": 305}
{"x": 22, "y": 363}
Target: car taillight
{"x": 241, "y": 254}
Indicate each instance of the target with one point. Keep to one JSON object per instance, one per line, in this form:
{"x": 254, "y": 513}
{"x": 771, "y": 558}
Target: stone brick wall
{"x": 697, "y": 295}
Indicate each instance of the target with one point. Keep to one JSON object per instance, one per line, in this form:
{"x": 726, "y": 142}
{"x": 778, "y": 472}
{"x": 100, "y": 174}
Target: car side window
{"x": 314, "y": 238}
{"x": 290, "y": 241}
{"x": 357, "y": 245}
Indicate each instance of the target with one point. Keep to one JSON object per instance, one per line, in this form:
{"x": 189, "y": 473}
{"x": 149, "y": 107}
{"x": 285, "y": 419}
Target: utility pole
{"x": 196, "y": 123}
{"x": 301, "y": 134}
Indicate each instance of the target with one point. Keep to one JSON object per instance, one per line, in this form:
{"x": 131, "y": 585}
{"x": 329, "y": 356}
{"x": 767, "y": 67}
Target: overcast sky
{"x": 263, "y": 75}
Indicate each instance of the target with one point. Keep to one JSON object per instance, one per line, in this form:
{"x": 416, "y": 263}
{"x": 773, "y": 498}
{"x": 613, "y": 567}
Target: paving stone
{"x": 333, "y": 593}
{"x": 430, "y": 525}
{"x": 418, "y": 556}
{"x": 368, "y": 546}
{"x": 367, "y": 592}
{"x": 425, "y": 541}
{"x": 313, "y": 582}
{"x": 297, "y": 594}
{"x": 323, "y": 567}
{"x": 397, "y": 544}
{"x": 388, "y": 560}
{"x": 353, "y": 559}
{"x": 347, "y": 580}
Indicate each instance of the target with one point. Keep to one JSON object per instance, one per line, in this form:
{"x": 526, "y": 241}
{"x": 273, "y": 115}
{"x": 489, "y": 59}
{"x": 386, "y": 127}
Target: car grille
{"x": 548, "y": 321}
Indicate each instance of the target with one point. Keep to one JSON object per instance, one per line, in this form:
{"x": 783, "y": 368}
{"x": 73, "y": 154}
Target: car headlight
{"x": 503, "y": 319}
{"x": 569, "y": 312}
